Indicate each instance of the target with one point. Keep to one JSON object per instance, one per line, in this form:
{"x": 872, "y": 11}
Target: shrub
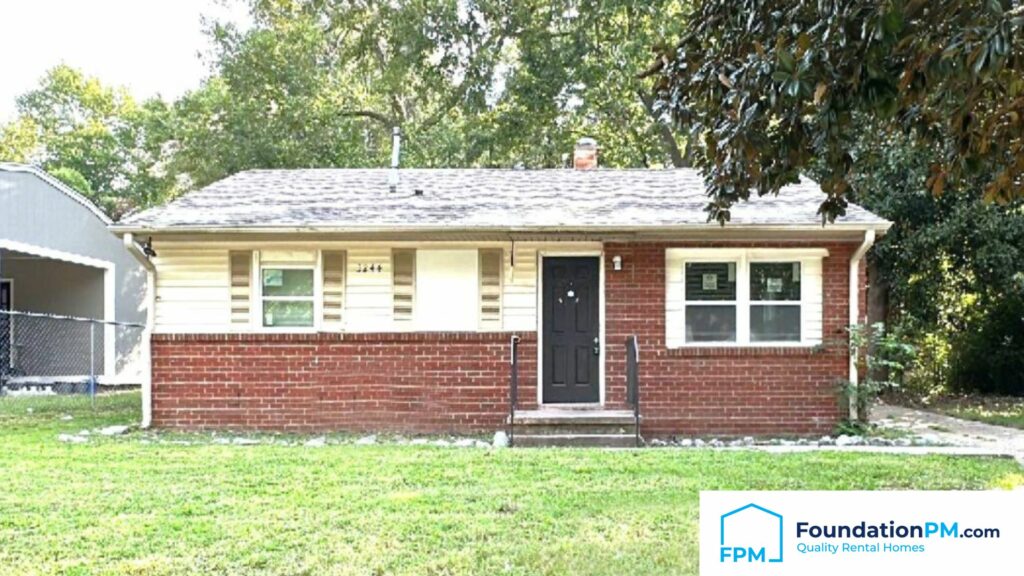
{"x": 988, "y": 355}
{"x": 885, "y": 355}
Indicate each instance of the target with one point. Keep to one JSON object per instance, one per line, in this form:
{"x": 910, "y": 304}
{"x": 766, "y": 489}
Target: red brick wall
{"x": 429, "y": 382}
{"x": 716, "y": 390}
{"x": 439, "y": 382}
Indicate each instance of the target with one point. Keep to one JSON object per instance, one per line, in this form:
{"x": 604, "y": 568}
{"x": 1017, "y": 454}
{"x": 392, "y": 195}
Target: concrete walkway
{"x": 951, "y": 431}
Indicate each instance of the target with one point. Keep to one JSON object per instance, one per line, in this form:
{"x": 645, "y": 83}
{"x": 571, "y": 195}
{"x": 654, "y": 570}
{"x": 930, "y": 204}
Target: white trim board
{"x": 15, "y": 246}
{"x": 599, "y": 254}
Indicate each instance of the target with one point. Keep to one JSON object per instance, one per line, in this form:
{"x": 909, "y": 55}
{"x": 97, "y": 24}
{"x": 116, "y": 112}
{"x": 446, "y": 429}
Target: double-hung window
{"x": 744, "y": 297}
{"x": 288, "y": 296}
{"x": 775, "y": 301}
{"x": 711, "y": 301}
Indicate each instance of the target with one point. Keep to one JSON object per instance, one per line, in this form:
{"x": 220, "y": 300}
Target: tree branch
{"x": 668, "y": 139}
{"x": 383, "y": 119}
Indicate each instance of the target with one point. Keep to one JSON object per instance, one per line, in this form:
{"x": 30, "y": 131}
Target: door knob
{"x": 597, "y": 346}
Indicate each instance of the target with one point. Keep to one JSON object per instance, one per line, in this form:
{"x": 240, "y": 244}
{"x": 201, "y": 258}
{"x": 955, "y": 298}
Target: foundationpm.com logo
{"x": 836, "y": 533}
{"x": 751, "y": 533}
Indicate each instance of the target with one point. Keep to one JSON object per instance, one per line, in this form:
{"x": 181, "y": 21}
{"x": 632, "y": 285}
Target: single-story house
{"x": 376, "y": 299}
{"x": 59, "y": 260}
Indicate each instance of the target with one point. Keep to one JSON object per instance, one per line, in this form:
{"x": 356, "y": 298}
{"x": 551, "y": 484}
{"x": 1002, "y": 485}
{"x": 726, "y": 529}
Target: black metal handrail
{"x": 513, "y": 389}
{"x": 633, "y": 381}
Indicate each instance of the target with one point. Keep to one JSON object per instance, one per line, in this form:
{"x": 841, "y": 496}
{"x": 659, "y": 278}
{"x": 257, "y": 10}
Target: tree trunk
{"x": 668, "y": 139}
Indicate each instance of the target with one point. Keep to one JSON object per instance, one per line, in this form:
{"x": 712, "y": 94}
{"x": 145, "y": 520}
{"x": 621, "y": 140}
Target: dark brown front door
{"x": 571, "y": 330}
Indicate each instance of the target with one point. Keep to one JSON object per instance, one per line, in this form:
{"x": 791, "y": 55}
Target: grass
{"x": 142, "y": 505}
{"x": 998, "y": 410}
{"x": 872, "y": 430}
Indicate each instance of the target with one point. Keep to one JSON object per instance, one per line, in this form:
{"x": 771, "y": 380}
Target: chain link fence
{"x": 46, "y": 354}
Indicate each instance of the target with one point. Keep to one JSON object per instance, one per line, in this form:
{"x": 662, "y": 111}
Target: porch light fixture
{"x": 617, "y": 263}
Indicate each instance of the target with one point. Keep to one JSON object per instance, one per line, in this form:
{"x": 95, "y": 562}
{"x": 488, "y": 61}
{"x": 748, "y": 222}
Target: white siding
{"x": 369, "y": 307}
{"x": 519, "y": 301}
{"x": 194, "y": 283}
{"x": 193, "y": 290}
{"x": 287, "y": 257}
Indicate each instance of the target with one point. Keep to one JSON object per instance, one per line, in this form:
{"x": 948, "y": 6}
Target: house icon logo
{"x": 751, "y": 534}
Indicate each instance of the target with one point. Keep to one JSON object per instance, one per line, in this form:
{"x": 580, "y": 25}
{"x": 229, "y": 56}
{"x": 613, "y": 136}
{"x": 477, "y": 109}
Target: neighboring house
{"x": 383, "y": 300}
{"x": 58, "y": 258}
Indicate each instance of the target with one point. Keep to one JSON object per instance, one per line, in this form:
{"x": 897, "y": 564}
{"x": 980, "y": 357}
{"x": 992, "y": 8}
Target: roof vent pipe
{"x": 396, "y": 155}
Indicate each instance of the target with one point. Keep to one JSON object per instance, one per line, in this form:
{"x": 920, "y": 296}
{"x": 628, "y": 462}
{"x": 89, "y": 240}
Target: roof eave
{"x": 879, "y": 228}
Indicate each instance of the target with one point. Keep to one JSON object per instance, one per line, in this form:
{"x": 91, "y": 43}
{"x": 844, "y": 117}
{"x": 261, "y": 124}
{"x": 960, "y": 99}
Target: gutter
{"x": 858, "y": 255}
{"x": 876, "y": 227}
{"x": 147, "y": 332}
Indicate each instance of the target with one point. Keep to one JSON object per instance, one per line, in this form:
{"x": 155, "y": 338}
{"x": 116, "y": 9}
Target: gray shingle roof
{"x": 475, "y": 198}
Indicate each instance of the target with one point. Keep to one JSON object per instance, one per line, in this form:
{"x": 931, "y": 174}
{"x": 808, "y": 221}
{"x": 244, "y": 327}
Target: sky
{"x": 148, "y": 46}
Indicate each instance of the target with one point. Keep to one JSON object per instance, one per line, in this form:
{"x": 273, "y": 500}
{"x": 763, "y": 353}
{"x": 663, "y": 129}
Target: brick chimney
{"x": 585, "y": 155}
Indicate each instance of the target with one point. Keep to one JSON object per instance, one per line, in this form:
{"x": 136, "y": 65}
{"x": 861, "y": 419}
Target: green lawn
{"x": 139, "y": 504}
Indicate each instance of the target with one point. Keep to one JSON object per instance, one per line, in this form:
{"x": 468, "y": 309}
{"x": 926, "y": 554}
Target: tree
{"x": 321, "y": 83}
{"x": 766, "y": 88}
{"x": 954, "y": 265}
{"x": 74, "y": 179}
{"x": 486, "y": 83}
{"x": 98, "y": 138}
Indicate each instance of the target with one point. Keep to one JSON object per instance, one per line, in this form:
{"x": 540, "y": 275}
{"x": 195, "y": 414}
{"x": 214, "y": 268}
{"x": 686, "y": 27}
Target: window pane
{"x": 278, "y": 282}
{"x": 775, "y": 281}
{"x": 710, "y": 281}
{"x": 710, "y": 323}
{"x": 775, "y": 323}
{"x": 288, "y": 314}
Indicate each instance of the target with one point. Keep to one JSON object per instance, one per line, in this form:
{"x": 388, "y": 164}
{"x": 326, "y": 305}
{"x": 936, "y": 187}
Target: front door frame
{"x": 541, "y": 254}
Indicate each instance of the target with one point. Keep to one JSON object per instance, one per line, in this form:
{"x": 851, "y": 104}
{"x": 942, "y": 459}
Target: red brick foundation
{"x": 458, "y": 382}
{"x": 428, "y": 382}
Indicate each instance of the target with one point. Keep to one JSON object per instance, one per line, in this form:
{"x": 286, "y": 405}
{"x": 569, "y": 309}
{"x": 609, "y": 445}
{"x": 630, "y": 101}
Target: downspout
{"x": 858, "y": 255}
{"x": 147, "y": 332}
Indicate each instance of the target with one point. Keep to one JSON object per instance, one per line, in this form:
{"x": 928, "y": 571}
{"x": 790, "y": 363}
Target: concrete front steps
{"x": 578, "y": 427}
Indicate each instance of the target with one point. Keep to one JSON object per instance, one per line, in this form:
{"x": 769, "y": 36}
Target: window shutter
{"x": 333, "y": 289}
{"x": 403, "y": 281}
{"x": 491, "y": 264}
{"x": 241, "y": 287}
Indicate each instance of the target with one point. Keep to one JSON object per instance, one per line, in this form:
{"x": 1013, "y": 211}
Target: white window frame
{"x": 736, "y": 303}
{"x": 743, "y": 257}
{"x": 801, "y": 303}
{"x": 316, "y": 298}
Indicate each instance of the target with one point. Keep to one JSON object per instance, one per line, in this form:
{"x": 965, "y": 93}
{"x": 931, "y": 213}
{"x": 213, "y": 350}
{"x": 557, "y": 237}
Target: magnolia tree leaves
{"x": 767, "y": 88}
